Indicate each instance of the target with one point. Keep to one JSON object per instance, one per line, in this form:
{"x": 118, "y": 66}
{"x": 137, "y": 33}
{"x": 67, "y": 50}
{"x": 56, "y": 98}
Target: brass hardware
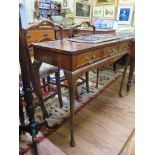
{"x": 87, "y": 59}
{"x": 93, "y": 57}
{"x": 29, "y": 36}
{"x": 112, "y": 52}
{"x": 45, "y": 34}
{"x": 125, "y": 47}
{"x": 90, "y": 60}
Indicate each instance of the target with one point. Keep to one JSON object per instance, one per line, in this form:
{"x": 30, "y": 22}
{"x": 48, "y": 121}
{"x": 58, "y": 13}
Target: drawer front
{"x": 115, "y": 49}
{"x": 35, "y": 36}
{"x": 110, "y": 51}
{"x": 87, "y": 58}
{"x": 124, "y": 46}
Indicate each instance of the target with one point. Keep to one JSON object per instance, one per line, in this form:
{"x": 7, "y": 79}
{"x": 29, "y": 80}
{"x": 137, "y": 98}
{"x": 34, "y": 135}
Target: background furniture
{"x": 48, "y": 8}
{"x": 43, "y": 31}
{"x": 30, "y": 76}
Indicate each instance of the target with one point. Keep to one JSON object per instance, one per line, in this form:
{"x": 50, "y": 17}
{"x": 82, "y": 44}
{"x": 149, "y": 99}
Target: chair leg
{"x": 21, "y": 113}
{"x": 87, "y": 81}
{"x": 44, "y": 84}
{"x": 38, "y": 88}
{"x": 57, "y": 75}
{"x": 48, "y": 82}
{"x": 98, "y": 70}
{"x": 114, "y": 66}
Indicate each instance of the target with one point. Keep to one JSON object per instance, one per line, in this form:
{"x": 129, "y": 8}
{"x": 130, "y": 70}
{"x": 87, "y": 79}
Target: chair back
{"x": 44, "y": 30}
{"x": 85, "y": 26}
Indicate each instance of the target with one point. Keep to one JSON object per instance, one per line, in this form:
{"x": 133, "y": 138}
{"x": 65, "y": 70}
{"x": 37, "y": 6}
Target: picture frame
{"x": 64, "y": 4}
{"x": 109, "y": 12}
{"x": 98, "y": 11}
{"x": 82, "y": 10}
{"x": 104, "y": 2}
{"x": 124, "y": 14}
{"x": 87, "y": 1}
{"x": 126, "y": 1}
{"x": 100, "y": 23}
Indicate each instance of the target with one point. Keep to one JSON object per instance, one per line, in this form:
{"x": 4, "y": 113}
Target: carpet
{"x": 61, "y": 115}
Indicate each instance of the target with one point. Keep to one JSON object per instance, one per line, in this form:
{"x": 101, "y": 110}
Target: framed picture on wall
{"x": 100, "y": 23}
{"x": 64, "y": 4}
{"x": 84, "y": 1}
{"x": 124, "y": 14}
{"x": 98, "y": 11}
{"x": 82, "y": 10}
{"x": 101, "y": 2}
{"x": 109, "y": 11}
{"x": 126, "y": 1}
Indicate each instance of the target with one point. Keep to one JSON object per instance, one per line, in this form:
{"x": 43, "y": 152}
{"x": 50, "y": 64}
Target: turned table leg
{"x": 132, "y": 67}
{"x": 124, "y": 74}
{"x": 72, "y": 87}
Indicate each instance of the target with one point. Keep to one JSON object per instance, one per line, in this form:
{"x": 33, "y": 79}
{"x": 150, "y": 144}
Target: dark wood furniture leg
{"x": 36, "y": 66}
{"x": 97, "y": 77}
{"x": 132, "y": 68}
{"x": 48, "y": 82}
{"x": 124, "y": 74}
{"x": 87, "y": 81}
{"x": 57, "y": 75}
{"x": 21, "y": 113}
{"x": 72, "y": 87}
{"x": 114, "y": 66}
{"x": 44, "y": 84}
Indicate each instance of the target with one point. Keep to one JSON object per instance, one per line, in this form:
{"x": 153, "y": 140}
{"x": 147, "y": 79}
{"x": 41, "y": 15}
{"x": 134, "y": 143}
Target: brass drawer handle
{"x": 112, "y": 52}
{"x": 93, "y": 57}
{"x": 45, "y": 34}
{"x": 29, "y": 36}
{"x": 87, "y": 59}
{"x": 125, "y": 47}
{"x": 90, "y": 60}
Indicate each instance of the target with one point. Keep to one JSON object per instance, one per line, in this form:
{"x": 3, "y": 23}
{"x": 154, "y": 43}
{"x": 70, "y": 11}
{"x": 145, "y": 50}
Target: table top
{"x": 69, "y": 47}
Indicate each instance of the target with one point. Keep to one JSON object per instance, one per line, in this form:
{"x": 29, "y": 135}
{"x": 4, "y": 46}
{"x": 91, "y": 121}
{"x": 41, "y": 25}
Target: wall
{"x": 93, "y": 4}
{"x": 29, "y": 6}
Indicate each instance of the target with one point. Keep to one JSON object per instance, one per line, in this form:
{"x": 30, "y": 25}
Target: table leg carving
{"x": 72, "y": 87}
{"x": 124, "y": 74}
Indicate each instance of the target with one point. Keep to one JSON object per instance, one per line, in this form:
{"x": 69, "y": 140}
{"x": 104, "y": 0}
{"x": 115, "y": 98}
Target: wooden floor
{"x": 102, "y": 127}
{"x": 129, "y": 147}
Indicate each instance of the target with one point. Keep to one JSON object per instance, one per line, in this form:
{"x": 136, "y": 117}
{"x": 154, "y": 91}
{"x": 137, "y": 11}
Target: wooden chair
{"x": 44, "y": 31}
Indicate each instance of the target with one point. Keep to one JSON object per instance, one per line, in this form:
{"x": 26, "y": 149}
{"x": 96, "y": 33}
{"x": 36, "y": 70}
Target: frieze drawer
{"x": 88, "y": 58}
{"x": 110, "y": 51}
{"x": 124, "y": 46}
